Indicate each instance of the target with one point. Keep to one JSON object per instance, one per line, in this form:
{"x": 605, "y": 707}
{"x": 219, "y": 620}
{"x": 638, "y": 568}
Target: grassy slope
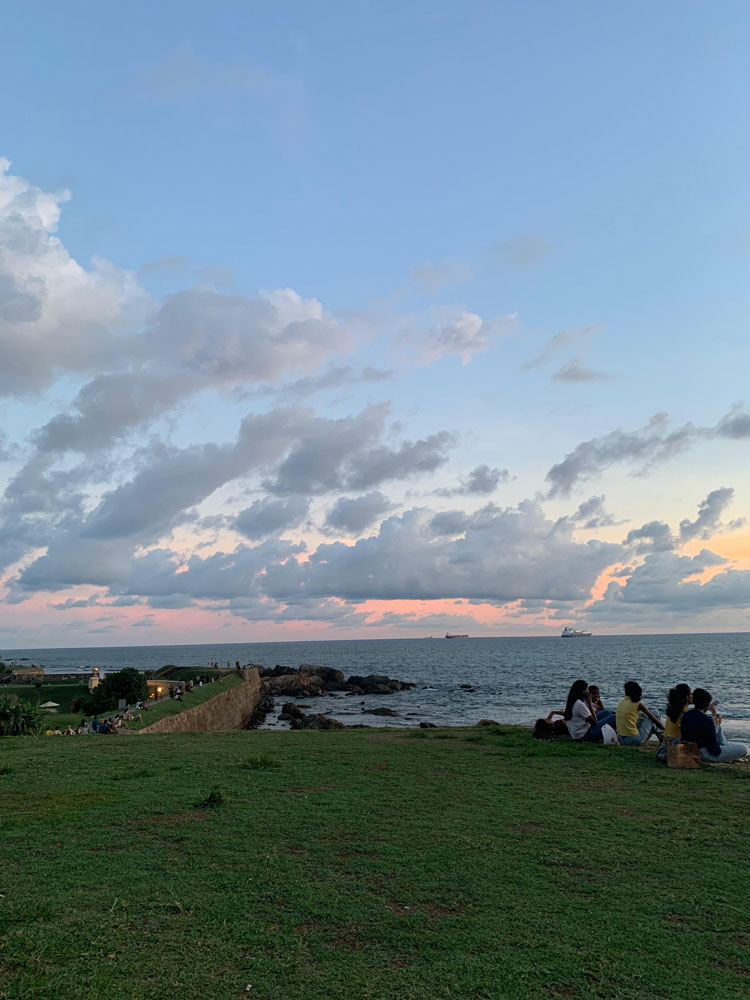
{"x": 463, "y": 864}
{"x": 63, "y": 694}
{"x": 170, "y": 706}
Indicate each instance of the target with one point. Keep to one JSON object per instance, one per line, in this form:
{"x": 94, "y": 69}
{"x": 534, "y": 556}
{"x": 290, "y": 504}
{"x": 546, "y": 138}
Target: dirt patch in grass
{"x": 381, "y": 766}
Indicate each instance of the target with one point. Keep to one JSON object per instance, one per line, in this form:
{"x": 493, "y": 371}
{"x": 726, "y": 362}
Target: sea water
{"x": 513, "y": 680}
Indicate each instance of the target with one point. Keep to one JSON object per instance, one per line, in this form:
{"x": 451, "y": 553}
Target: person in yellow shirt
{"x": 679, "y": 700}
{"x": 635, "y": 722}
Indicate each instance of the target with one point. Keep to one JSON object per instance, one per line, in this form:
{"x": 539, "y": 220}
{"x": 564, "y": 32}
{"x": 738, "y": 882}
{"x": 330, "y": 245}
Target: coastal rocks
{"x": 487, "y": 722}
{"x": 298, "y": 719}
{"x": 277, "y": 671}
{"x": 376, "y": 684}
{"x": 293, "y": 685}
{"x": 379, "y": 711}
{"x": 427, "y": 725}
{"x": 333, "y": 680}
{"x": 258, "y": 716}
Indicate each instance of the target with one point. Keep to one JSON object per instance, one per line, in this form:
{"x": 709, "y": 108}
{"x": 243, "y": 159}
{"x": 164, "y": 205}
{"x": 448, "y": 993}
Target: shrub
{"x": 19, "y": 717}
{"x": 214, "y": 800}
{"x": 260, "y": 763}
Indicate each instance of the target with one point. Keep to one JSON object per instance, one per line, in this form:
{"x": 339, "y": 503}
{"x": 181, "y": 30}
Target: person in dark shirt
{"x": 696, "y": 727}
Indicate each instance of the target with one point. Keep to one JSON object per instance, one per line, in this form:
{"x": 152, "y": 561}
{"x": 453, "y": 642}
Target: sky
{"x": 370, "y": 320}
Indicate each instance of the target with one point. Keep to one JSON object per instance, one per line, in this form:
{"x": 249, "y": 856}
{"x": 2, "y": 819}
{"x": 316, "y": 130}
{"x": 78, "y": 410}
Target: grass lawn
{"x": 369, "y": 863}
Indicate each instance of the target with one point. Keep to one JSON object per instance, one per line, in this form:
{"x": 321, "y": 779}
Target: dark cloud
{"x": 353, "y": 514}
{"x": 591, "y": 514}
{"x": 654, "y": 443}
{"x": 481, "y": 481}
{"x": 268, "y": 516}
{"x": 655, "y": 536}
{"x": 708, "y": 521}
{"x": 666, "y": 581}
{"x": 502, "y": 555}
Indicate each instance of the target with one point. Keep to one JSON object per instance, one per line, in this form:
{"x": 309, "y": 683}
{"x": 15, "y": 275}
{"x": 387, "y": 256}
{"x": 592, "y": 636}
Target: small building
{"x": 158, "y": 688}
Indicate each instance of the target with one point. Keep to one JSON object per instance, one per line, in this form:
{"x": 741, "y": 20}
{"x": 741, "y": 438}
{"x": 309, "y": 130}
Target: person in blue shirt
{"x": 697, "y": 727}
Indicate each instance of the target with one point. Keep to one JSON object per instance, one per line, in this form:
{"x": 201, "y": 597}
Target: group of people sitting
{"x": 106, "y": 727}
{"x": 691, "y": 717}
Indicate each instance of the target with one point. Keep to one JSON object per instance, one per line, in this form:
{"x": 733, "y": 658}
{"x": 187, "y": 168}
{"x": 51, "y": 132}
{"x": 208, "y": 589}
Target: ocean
{"x": 514, "y": 680}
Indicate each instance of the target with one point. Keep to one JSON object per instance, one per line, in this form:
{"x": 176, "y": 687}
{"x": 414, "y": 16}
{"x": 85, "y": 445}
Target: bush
{"x": 214, "y": 800}
{"x": 263, "y": 762}
{"x": 19, "y": 717}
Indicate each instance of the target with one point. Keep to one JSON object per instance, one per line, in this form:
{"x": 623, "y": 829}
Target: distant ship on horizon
{"x": 455, "y": 635}
{"x": 573, "y": 633}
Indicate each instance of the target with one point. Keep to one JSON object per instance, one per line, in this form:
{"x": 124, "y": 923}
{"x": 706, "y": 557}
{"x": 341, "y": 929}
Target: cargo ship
{"x": 573, "y": 633}
{"x": 455, "y": 635}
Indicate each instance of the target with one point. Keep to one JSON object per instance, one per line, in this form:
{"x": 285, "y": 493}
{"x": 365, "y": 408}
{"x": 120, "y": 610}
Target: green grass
{"x": 369, "y": 864}
{"x": 170, "y": 706}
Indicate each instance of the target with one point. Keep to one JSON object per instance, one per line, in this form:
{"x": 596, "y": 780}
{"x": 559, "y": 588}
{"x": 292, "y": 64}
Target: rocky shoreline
{"x": 311, "y": 680}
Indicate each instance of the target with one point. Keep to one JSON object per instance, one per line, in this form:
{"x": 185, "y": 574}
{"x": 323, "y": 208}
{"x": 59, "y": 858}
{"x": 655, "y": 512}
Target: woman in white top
{"x": 582, "y": 720}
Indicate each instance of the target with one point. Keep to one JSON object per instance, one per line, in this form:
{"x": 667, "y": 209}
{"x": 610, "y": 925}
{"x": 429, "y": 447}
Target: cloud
{"x": 575, "y": 371}
{"x": 461, "y": 335}
{"x": 501, "y": 555}
{"x": 574, "y": 337}
{"x": 593, "y": 515}
{"x": 354, "y": 514}
{"x": 481, "y": 481}
{"x": 344, "y": 455}
{"x": 55, "y": 316}
{"x": 655, "y": 536}
{"x": 267, "y": 517}
{"x": 708, "y": 521}
{"x": 522, "y": 252}
{"x": 665, "y": 581}
{"x": 654, "y": 443}
{"x": 335, "y": 378}
{"x": 434, "y": 275}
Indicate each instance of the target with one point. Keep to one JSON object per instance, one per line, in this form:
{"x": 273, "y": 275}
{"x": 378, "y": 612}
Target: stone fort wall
{"x": 228, "y": 710}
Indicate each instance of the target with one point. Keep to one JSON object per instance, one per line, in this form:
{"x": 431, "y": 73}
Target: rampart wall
{"x": 228, "y": 710}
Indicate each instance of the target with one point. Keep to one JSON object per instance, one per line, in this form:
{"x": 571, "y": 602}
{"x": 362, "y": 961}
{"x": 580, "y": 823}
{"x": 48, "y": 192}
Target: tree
{"x": 129, "y": 684}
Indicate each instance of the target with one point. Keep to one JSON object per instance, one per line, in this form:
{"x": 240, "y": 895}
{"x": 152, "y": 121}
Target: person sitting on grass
{"x": 678, "y": 702}
{"x": 583, "y": 722}
{"x": 596, "y": 699}
{"x": 697, "y": 727}
{"x": 635, "y": 722}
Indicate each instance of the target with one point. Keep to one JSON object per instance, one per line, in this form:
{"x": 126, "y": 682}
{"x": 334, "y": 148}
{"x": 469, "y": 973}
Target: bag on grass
{"x": 609, "y": 736}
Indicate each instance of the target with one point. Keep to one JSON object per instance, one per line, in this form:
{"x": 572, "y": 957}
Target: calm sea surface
{"x": 514, "y": 680}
